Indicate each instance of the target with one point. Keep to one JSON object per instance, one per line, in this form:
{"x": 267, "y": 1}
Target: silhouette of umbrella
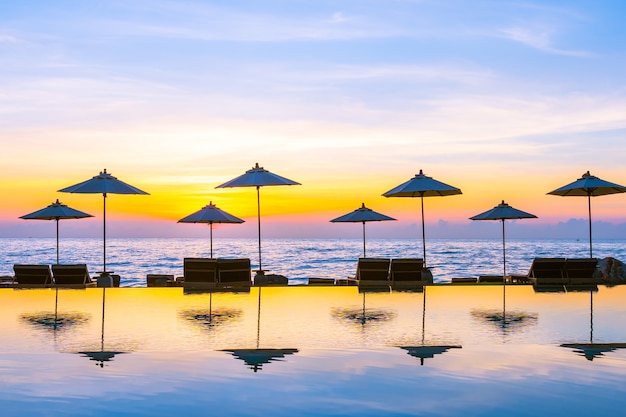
{"x": 422, "y": 186}
{"x": 257, "y": 357}
{"x": 592, "y": 350}
{"x": 503, "y": 212}
{"x": 56, "y": 211}
{"x": 258, "y": 177}
{"x": 362, "y": 215}
{"x": 589, "y": 186}
{"x": 104, "y": 183}
{"x": 210, "y": 214}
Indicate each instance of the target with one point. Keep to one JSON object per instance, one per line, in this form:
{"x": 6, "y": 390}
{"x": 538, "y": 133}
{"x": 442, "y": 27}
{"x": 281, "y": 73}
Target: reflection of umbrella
{"x": 210, "y": 318}
{"x": 502, "y": 212}
{"x": 427, "y": 352}
{"x": 55, "y": 321}
{"x": 258, "y": 177}
{"x": 103, "y": 183}
{"x": 364, "y": 316}
{"x": 101, "y": 356}
{"x": 362, "y": 215}
{"x": 56, "y": 211}
{"x": 255, "y": 358}
{"x": 589, "y": 186}
{"x": 422, "y": 186}
{"x": 506, "y": 321}
{"x": 593, "y": 350}
{"x": 210, "y": 214}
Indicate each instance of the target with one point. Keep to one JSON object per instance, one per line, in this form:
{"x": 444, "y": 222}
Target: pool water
{"x": 311, "y": 351}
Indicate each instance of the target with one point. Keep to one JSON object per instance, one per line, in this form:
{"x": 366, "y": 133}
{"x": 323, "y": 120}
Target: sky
{"x": 506, "y": 100}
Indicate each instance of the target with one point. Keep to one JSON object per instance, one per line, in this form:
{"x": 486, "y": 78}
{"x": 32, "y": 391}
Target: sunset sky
{"x": 506, "y": 100}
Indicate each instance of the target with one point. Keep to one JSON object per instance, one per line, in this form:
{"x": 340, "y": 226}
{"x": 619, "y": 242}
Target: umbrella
{"x": 589, "y": 186}
{"x": 502, "y": 212}
{"x": 258, "y": 177}
{"x": 56, "y": 211}
{"x": 422, "y": 186}
{"x": 104, "y": 183}
{"x": 362, "y": 215}
{"x": 210, "y": 214}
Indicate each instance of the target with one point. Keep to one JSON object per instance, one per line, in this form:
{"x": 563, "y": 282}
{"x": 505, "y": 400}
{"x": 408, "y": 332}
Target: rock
{"x": 612, "y": 271}
{"x": 270, "y": 279}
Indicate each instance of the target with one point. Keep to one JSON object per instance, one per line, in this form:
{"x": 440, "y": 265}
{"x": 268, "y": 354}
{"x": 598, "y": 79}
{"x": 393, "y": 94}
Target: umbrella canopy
{"x": 56, "y": 211}
{"x": 422, "y": 186}
{"x": 588, "y": 186}
{"x": 210, "y": 214}
{"x": 104, "y": 183}
{"x": 362, "y": 215}
{"x": 503, "y": 212}
{"x": 258, "y": 177}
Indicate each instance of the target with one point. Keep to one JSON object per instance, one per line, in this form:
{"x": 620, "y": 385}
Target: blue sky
{"x": 505, "y": 99}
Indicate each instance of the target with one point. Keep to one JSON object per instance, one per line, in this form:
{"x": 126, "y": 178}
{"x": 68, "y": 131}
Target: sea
{"x": 298, "y": 259}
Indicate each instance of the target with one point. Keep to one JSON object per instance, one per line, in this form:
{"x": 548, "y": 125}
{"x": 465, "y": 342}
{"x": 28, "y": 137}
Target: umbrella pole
{"x": 423, "y": 230}
{"x": 258, "y": 322}
{"x": 211, "y": 237}
{"x": 258, "y": 202}
{"x": 591, "y": 318}
{"x": 590, "y": 244}
{"x": 104, "y": 234}
{"x": 364, "y": 240}
{"x": 503, "y": 254}
{"x": 57, "y": 222}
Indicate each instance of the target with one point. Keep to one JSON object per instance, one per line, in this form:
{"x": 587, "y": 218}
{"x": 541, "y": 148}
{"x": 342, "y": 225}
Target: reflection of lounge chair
{"x": 373, "y": 272}
{"x": 32, "y": 275}
{"x": 200, "y": 273}
{"x": 582, "y": 271}
{"x": 407, "y": 272}
{"x": 72, "y": 276}
{"x": 234, "y": 272}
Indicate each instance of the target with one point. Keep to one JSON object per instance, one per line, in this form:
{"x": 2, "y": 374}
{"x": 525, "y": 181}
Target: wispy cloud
{"x": 541, "y": 39}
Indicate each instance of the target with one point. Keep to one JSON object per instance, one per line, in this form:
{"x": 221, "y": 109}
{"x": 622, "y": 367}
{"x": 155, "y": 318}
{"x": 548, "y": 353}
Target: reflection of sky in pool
{"x": 449, "y": 351}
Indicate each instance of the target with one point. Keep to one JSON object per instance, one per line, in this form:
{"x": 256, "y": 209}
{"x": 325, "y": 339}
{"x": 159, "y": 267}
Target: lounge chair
{"x": 234, "y": 273}
{"x": 32, "y": 276}
{"x": 72, "y": 276}
{"x": 373, "y": 272}
{"x": 408, "y": 272}
{"x": 200, "y": 273}
{"x": 581, "y": 271}
{"x": 547, "y": 271}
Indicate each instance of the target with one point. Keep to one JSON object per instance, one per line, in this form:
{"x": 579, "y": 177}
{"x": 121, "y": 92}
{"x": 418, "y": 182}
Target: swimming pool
{"x": 447, "y": 351}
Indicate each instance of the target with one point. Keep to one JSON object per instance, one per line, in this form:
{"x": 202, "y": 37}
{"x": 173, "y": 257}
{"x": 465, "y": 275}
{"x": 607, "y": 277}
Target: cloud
{"x": 540, "y": 39}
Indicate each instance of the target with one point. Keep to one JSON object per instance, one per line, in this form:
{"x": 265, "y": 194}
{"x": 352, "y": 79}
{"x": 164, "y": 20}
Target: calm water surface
{"x": 298, "y": 259}
{"x": 298, "y": 350}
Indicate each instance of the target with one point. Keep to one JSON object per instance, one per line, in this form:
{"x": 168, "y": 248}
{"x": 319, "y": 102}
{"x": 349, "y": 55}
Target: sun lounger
{"x": 72, "y": 276}
{"x": 234, "y": 273}
{"x": 408, "y": 272}
{"x": 321, "y": 281}
{"x": 373, "y": 272}
{"x": 547, "y": 271}
{"x": 581, "y": 271}
{"x": 32, "y": 276}
{"x": 200, "y": 273}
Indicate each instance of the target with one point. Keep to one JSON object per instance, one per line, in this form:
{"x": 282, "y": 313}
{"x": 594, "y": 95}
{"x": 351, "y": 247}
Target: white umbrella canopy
{"x": 258, "y": 177}
{"x": 103, "y": 183}
{"x": 56, "y": 211}
{"x": 362, "y": 215}
{"x": 211, "y": 214}
{"x": 422, "y": 186}
{"x": 503, "y": 212}
{"x": 588, "y": 186}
